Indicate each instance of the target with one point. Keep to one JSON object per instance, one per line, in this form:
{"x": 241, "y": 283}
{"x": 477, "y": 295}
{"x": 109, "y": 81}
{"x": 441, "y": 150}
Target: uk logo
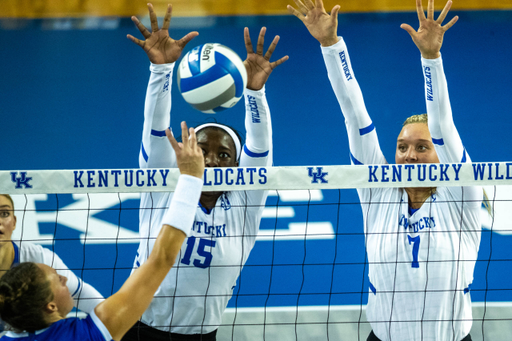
{"x": 22, "y": 180}
{"x": 318, "y": 176}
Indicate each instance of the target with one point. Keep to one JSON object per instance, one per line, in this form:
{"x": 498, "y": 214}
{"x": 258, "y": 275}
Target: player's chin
{"x": 211, "y": 194}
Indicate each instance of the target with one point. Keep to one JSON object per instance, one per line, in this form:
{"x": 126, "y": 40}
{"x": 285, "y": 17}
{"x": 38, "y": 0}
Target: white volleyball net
{"x": 307, "y": 275}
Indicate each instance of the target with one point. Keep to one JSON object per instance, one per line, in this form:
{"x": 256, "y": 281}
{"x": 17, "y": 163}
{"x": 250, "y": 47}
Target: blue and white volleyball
{"x": 212, "y": 78}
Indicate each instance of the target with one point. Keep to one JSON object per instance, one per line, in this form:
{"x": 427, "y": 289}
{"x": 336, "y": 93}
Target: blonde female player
{"x": 12, "y": 253}
{"x": 422, "y": 244}
{"x": 190, "y": 302}
{"x": 35, "y": 300}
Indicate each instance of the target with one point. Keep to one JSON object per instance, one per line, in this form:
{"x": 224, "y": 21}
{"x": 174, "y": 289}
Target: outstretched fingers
{"x": 271, "y": 48}
{"x": 145, "y": 33}
{"x": 153, "y": 18}
{"x": 185, "y": 135}
{"x": 450, "y": 23}
{"x": 261, "y": 41}
{"x": 187, "y": 38}
{"x": 420, "y": 11}
{"x": 302, "y": 9}
{"x": 430, "y": 9}
{"x": 278, "y": 62}
{"x": 334, "y": 12}
{"x": 193, "y": 142}
{"x": 167, "y": 18}
{"x": 408, "y": 29}
{"x": 443, "y": 15}
{"x": 309, "y": 4}
{"x": 135, "y": 40}
{"x": 175, "y": 145}
{"x": 247, "y": 40}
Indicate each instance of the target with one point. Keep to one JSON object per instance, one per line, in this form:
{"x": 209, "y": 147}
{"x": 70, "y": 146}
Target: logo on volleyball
{"x": 318, "y": 176}
{"x": 22, "y": 180}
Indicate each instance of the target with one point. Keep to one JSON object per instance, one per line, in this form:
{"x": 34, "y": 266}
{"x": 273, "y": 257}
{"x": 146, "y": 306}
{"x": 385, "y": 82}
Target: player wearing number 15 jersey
{"x": 422, "y": 243}
{"x": 192, "y": 298}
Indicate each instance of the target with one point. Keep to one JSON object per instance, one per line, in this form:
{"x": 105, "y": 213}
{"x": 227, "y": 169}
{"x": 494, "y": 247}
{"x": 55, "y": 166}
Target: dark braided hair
{"x": 24, "y": 292}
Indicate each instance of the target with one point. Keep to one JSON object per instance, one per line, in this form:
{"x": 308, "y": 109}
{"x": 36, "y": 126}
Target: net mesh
{"x": 306, "y": 277}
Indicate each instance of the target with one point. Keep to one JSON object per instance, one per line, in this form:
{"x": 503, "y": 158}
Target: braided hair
{"x": 24, "y": 292}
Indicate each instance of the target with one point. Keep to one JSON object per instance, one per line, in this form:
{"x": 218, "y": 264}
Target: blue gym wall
{"x": 74, "y": 99}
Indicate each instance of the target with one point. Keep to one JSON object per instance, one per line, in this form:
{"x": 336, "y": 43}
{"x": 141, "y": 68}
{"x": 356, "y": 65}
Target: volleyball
{"x": 212, "y": 78}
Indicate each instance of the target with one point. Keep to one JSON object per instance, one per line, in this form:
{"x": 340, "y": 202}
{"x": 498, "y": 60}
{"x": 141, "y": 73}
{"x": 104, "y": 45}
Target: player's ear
{"x": 51, "y": 307}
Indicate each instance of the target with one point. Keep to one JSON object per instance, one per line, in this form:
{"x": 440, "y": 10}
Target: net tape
{"x": 258, "y": 178}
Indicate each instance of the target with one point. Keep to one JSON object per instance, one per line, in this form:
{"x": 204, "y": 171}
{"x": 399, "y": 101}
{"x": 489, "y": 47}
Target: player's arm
{"x": 119, "y": 312}
{"x": 163, "y": 52}
{"x": 363, "y": 141}
{"x": 257, "y": 150}
{"x": 429, "y": 39}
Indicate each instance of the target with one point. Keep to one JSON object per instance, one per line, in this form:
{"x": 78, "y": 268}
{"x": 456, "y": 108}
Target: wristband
{"x": 182, "y": 211}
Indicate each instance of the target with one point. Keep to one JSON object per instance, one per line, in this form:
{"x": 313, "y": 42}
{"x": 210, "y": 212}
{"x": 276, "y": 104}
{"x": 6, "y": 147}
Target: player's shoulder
{"x": 30, "y": 252}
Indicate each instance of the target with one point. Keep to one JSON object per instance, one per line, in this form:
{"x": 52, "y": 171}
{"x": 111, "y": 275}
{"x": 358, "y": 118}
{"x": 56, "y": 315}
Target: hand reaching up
{"x": 160, "y": 48}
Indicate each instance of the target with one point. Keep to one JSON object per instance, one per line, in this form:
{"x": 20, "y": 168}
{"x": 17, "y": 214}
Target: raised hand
{"x": 429, "y": 37}
{"x": 258, "y": 66}
{"x": 160, "y": 48}
{"x": 322, "y": 25}
{"x": 189, "y": 156}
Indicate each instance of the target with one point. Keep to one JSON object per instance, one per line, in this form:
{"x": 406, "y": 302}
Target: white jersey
{"x": 420, "y": 263}
{"x": 195, "y": 293}
{"x": 84, "y": 295}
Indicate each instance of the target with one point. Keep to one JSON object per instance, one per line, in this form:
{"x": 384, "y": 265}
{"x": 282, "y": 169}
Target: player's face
{"x": 218, "y": 148}
{"x": 7, "y": 219}
{"x": 414, "y": 145}
{"x": 61, "y": 296}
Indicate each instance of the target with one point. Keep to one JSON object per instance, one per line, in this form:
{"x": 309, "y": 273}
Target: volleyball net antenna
{"x": 307, "y": 275}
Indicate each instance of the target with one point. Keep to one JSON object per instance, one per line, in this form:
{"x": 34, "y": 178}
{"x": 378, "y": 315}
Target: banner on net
{"x": 258, "y": 178}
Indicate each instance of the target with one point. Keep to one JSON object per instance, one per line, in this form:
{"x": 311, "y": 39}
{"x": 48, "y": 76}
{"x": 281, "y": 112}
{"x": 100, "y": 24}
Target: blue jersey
{"x": 88, "y": 329}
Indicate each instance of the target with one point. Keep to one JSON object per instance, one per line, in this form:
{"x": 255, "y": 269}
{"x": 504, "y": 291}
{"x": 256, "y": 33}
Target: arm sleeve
{"x": 155, "y": 150}
{"x": 257, "y": 150}
{"x": 84, "y": 295}
{"x": 362, "y": 136}
{"x": 445, "y": 136}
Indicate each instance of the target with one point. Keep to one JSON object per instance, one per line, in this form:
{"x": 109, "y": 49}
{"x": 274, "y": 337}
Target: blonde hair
{"x": 423, "y": 118}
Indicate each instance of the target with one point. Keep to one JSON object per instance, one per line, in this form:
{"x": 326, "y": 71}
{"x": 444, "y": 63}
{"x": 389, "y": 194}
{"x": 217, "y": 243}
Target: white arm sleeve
{"x": 257, "y": 150}
{"x": 85, "y": 297}
{"x": 445, "y": 136}
{"x": 363, "y": 140}
{"x": 156, "y": 151}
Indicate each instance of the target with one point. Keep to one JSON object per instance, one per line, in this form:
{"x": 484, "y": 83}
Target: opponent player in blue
{"x": 422, "y": 243}
{"x": 190, "y": 302}
{"x": 34, "y": 298}
{"x": 12, "y": 253}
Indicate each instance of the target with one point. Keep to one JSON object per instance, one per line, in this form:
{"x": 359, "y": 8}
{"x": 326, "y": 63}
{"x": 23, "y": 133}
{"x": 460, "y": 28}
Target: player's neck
{"x": 6, "y": 256}
{"x": 417, "y": 196}
{"x": 209, "y": 199}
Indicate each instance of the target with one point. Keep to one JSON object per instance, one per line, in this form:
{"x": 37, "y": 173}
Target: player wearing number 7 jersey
{"x": 191, "y": 300}
{"x": 422, "y": 243}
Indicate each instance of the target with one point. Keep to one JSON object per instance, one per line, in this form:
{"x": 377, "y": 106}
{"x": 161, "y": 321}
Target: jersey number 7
{"x": 415, "y": 248}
